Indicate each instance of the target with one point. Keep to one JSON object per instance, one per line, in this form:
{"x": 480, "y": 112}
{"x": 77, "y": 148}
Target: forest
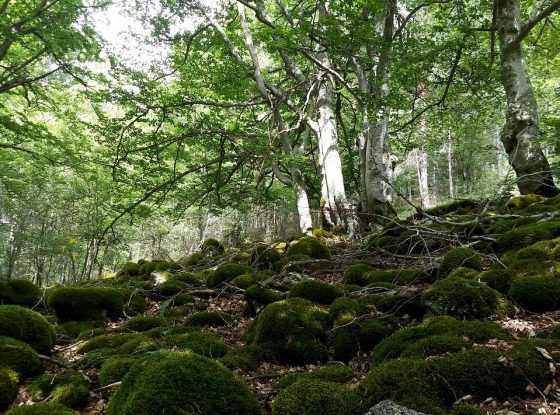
{"x": 285, "y": 207}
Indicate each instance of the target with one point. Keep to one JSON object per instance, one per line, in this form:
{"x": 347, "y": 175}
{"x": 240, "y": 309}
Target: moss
{"x": 465, "y": 273}
{"x": 8, "y": 387}
{"x": 208, "y": 318}
{"x": 344, "y": 309}
{"x": 201, "y": 342}
{"x": 107, "y": 341}
{"x": 172, "y": 287}
{"x": 397, "y": 303}
{"x": 130, "y": 269}
{"x": 114, "y": 369}
{"x": 291, "y": 331}
{"x": 138, "y": 345}
{"x": 182, "y": 299}
{"x": 459, "y": 257}
{"x": 245, "y": 358}
{"x": 498, "y": 279}
{"x": 244, "y": 281}
{"x": 476, "y": 331}
{"x": 226, "y": 273}
{"x": 315, "y": 291}
{"x": 143, "y": 323}
{"x": 192, "y": 260}
{"x": 20, "y": 357}
{"x": 257, "y": 296}
{"x": 68, "y": 388}
{"x": 28, "y": 326}
{"x": 75, "y": 328}
{"x": 461, "y": 206}
{"x": 89, "y": 333}
{"x": 86, "y": 303}
{"x": 47, "y": 408}
{"x": 396, "y": 276}
{"x": 527, "y": 235}
{"x": 461, "y": 298}
{"x": 538, "y": 293}
{"x": 134, "y": 302}
{"x": 354, "y": 274}
{"x": 264, "y": 256}
{"x": 181, "y": 382}
{"x": 349, "y": 339}
{"x": 336, "y": 373}
{"x": 19, "y": 292}
{"x": 464, "y": 409}
{"x": 523, "y": 201}
{"x": 96, "y": 358}
{"x": 311, "y": 396}
{"x": 188, "y": 278}
{"x": 436, "y": 345}
{"x": 372, "y": 332}
{"x": 309, "y": 246}
{"x": 211, "y": 247}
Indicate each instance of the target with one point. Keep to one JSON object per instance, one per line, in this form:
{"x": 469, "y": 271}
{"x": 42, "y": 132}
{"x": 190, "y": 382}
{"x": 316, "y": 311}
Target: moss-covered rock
{"x": 498, "y": 279}
{"x": 74, "y": 329}
{"x": 181, "y": 382}
{"x": 344, "y": 310}
{"x": 20, "y": 292}
{"x": 46, "y": 408}
{"x": 211, "y": 248}
{"x": 310, "y": 247}
{"x": 226, "y": 273}
{"x": 462, "y": 298}
{"x": 8, "y": 387}
{"x": 115, "y": 369}
{"x": 68, "y": 388}
{"x": 354, "y": 274}
{"x": 20, "y": 357}
{"x": 172, "y": 287}
{"x": 201, "y": 342}
{"x": 395, "y": 276}
{"x": 86, "y": 303}
{"x": 395, "y": 302}
{"x": 362, "y": 335}
{"x": 536, "y": 293}
{"x": 528, "y": 234}
{"x": 208, "y": 319}
{"x": 523, "y": 201}
{"x": 108, "y": 341}
{"x": 315, "y": 291}
{"x": 264, "y": 256}
{"x": 28, "y": 326}
{"x": 130, "y": 269}
{"x": 189, "y": 278}
{"x": 245, "y": 358}
{"x": 436, "y": 345}
{"x": 244, "y": 281}
{"x": 191, "y": 260}
{"x": 143, "y": 323}
{"x": 465, "y": 273}
{"x": 459, "y": 257}
{"x": 336, "y": 373}
{"x": 311, "y": 397}
{"x": 291, "y": 331}
{"x": 257, "y": 296}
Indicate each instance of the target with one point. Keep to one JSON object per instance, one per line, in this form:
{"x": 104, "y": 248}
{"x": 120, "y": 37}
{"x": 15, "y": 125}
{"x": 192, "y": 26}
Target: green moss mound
{"x": 226, "y": 273}
{"x": 354, "y": 274}
{"x": 143, "y": 323}
{"x": 68, "y": 388}
{"x": 498, "y": 279}
{"x": 310, "y": 247}
{"x": 20, "y": 357}
{"x": 464, "y": 272}
{"x": 115, "y": 369}
{"x": 172, "y": 287}
{"x": 201, "y": 342}
{"x": 212, "y": 247}
{"x": 28, "y": 326}
{"x": 462, "y": 298}
{"x": 179, "y": 383}
{"x": 257, "y": 296}
{"x": 523, "y": 201}
{"x": 86, "y": 303}
{"x": 536, "y": 293}
{"x": 464, "y": 409}
{"x": 245, "y": 358}
{"x": 311, "y": 397}
{"x": 8, "y": 387}
{"x": 264, "y": 256}
{"x": 20, "y": 292}
{"x": 48, "y": 408}
{"x": 109, "y": 341}
{"x": 436, "y": 345}
{"x": 187, "y": 277}
{"x": 395, "y": 276}
{"x": 343, "y": 310}
{"x": 291, "y": 331}
{"x": 364, "y": 335}
{"x": 459, "y": 257}
{"x": 74, "y": 329}
{"x": 315, "y": 291}
{"x": 336, "y": 373}
{"x": 208, "y": 319}
{"x": 244, "y": 281}
{"x": 527, "y": 235}
{"x": 130, "y": 269}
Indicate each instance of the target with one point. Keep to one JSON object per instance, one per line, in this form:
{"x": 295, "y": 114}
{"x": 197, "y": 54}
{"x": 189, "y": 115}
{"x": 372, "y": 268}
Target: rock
{"x": 391, "y": 408}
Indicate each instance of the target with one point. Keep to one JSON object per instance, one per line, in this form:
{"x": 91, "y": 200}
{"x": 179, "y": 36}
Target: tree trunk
{"x": 450, "y": 165}
{"x": 422, "y": 174}
{"x": 520, "y": 132}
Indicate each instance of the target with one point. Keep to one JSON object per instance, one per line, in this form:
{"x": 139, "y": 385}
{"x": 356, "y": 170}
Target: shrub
{"x": 459, "y": 257}
{"x": 211, "y": 247}
{"x": 19, "y": 292}
{"x": 309, "y": 246}
{"x": 181, "y": 382}
{"x": 292, "y": 331}
{"x": 20, "y": 357}
{"x": 332, "y": 373}
{"x": 354, "y": 274}
{"x": 208, "y": 318}
{"x": 310, "y": 397}
{"x": 537, "y": 293}
{"x": 201, "y": 342}
{"x": 226, "y": 273}
{"x": 8, "y": 387}
{"x": 143, "y": 323}
{"x": 28, "y": 326}
{"x": 114, "y": 369}
{"x": 86, "y": 303}
{"x": 461, "y": 298}
{"x": 498, "y": 279}
{"x": 68, "y": 388}
{"x": 315, "y": 291}
{"x": 47, "y": 408}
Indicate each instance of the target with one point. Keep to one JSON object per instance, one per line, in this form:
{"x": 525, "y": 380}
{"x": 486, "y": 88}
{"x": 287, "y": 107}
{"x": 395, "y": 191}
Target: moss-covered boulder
{"x": 536, "y": 293}
{"x": 311, "y": 397}
{"x": 462, "y": 298}
{"x": 523, "y": 201}
{"x": 498, "y": 279}
{"x": 201, "y": 342}
{"x": 124, "y": 343}
{"x": 310, "y": 247}
{"x": 143, "y": 323}
{"x": 130, "y": 269}
{"x": 172, "y": 287}
{"x": 291, "y": 331}
{"x": 527, "y": 234}
{"x": 344, "y": 310}
{"x": 394, "y": 276}
{"x": 8, "y": 387}
{"x": 68, "y": 388}
{"x": 28, "y": 326}
{"x": 226, "y": 273}
{"x": 208, "y": 319}
{"x": 264, "y": 256}
{"x": 19, "y": 292}
{"x": 464, "y": 272}
{"x": 20, "y": 357}
{"x": 175, "y": 383}
{"x": 211, "y": 248}
{"x": 46, "y": 408}
{"x": 315, "y": 291}
{"x": 86, "y": 303}
{"x": 336, "y": 373}
{"x": 74, "y": 329}
{"x": 115, "y": 369}
{"x": 459, "y": 257}
{"x": 355, "y": 273}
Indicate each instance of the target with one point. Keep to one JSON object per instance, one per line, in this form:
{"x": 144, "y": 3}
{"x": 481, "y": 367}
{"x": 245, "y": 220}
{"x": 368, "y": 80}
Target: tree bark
{"x": 422, "y": 175}
{"x": 521, "y": 130}
{"x": 450, "y": 165}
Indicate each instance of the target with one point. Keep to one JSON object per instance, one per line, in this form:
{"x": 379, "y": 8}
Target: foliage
{"x": 28, "y": 326}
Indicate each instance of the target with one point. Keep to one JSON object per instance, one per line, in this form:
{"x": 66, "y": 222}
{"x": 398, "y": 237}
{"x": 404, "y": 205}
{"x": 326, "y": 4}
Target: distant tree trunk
{"x": 520, "y": 132}
{"x": 450, "y": 165}
{"x": 11, "y": 252}
{"x": 422, "y": 174}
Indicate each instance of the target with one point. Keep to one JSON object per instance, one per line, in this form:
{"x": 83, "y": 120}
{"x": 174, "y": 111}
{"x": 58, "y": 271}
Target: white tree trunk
{"x": 422, "y": 175}
{"x": 450, "y": 165}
